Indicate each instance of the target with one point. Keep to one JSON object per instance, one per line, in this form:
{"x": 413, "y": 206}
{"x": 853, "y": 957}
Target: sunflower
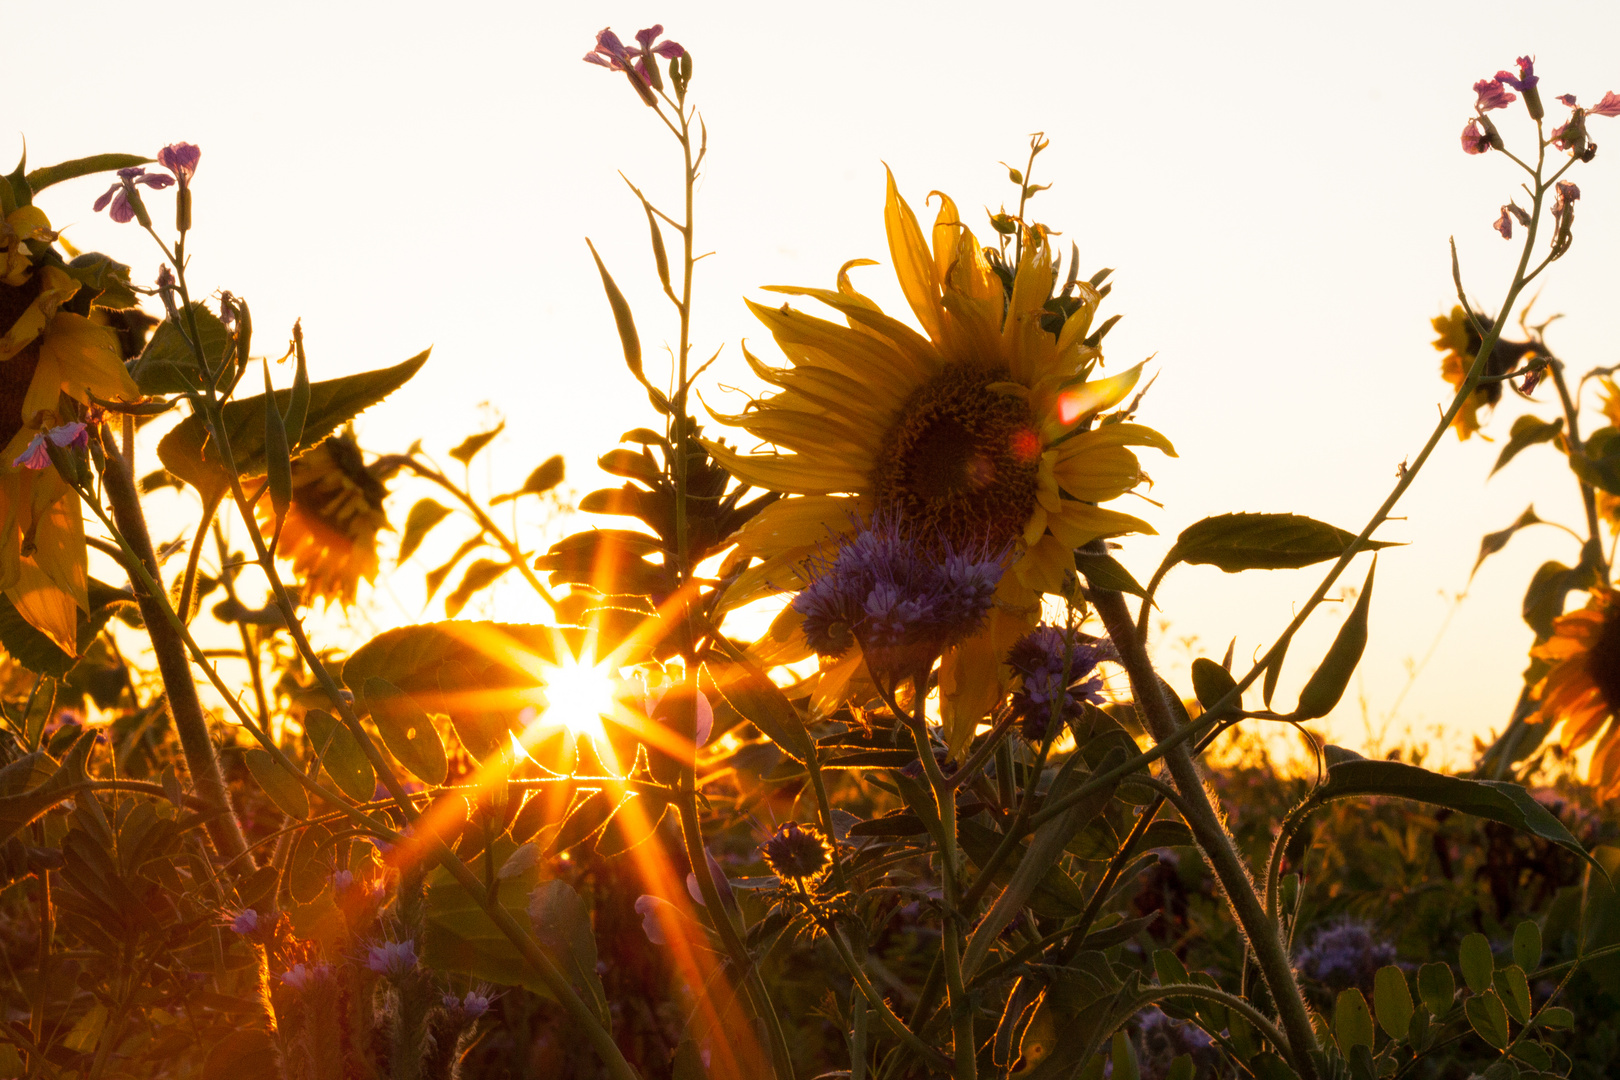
{"x": 1583, "y": 687}
{"x": 50, "y": 356}
{"x": 330, "y": 534}
{"x": 1460, "y": 342}
{"x": 981, "y": 432}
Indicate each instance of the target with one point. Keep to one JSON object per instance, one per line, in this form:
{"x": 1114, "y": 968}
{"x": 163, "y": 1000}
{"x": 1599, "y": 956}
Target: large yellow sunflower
{"x": 330, "y": 534}
{"x": 1460, "y": 342}
{"x": 982, "y": 430}
{"x": 46, "y": 353}
{"x": 1583, "y": 687}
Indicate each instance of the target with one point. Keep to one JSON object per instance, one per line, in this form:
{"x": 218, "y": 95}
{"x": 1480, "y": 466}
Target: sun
{"x": 577, "y": 696}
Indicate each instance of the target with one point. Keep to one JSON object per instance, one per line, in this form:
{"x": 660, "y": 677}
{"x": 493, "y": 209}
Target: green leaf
{"x": 418, "y": 523}
{"x": 407, "y": 730}
{"x": 1488, "y": 1018}
{"x": 1352, "y": 1021}
{"x": 1124, "y": 1058}
{"x": 1236, "y": 542}
{"x": 562, "y": 925}
{"x": 106, "y": 278}
{"x": 1268, "y": 686}
{"x": 1393, "y": 1000}
{"x": 288, "y": 794}
{"x": 503, "y": 654}
{"x": 298, "y": 403}
{"x": 340, "y": 755}
{"x": 546, "y": 476}
{"x": 1544, "y": 599}
{"x": 1169, "y": 969}
{"x": 480, "y": 575}
{"x": 1557, "y": 1017}
{"x": 22, "y": 803}
{"x": 1598, "y": 463}
{"x": 1527, "y": 431}
{"x": 1513, "y": 988}
{"x": 168, "y": 365}
{"x": 631, "y": 466}
{"x": 1326, "y": 685}
{"x": 277, "y": 458}
{"x": 460, "y": 936}
{"x": 1182, "y": 1067}
{"x": 40, "y": 179}
{"x": 434, "y": 578}
{"x": 1496, "y": 541}
{"x": 187, "y": 451}
{"x": 1495, "y": 800}
{"x": 628, "y": 338}
{"x": 1474, "y": 957}
{"x": 1437, "y": 986}
{"x": 469, "y": 447}
{"x": 1211, "y": 682}
{"x": 1105, "y": 572}
{"x": 762, "y": 703}
{"x": 485, "y": 733}
{"x": 1527, "y": 945}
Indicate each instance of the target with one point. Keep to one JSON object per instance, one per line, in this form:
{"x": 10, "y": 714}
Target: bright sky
{"x": 1274, "y": 185}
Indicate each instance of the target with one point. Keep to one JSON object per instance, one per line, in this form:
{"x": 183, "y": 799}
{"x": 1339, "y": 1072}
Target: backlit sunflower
{"x": 1460, "y": 342}
{"x": 1583, "y": 687}
{"x": 330, "y": 534}
{"x": 981, "y": 432}
{"x": 49, "y": 353}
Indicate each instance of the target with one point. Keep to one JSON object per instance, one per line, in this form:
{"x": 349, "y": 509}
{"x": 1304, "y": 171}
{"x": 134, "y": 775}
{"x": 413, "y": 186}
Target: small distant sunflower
{"x": 980, "y": 432}
{"x": 50, "y": 356}
{"x": 330, "y": 534}
{"x": 1583, "y": 687}
{"x": 1460, "y": 342}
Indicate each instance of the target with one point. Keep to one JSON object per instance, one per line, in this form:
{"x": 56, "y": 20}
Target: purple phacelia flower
{"x": 1491, "y": 94}
{"x": 123, "y": 211}
{"x": 475, "y": 1003}
{"x": 1039, "y": 659}
{"x": 1474, "y": 140}
{"x": 303, "y": 976}
{"x": 342, "y": 880}
{"x": 392, "y": 958}
{"x": 1345, "y": 954}
{"x": 245, "y": 922}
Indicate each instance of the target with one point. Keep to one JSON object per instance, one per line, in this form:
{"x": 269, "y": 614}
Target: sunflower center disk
{"x": 962, "y": 460}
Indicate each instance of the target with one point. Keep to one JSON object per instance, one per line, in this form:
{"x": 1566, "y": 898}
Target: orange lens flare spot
{"x": 577, "y": 696}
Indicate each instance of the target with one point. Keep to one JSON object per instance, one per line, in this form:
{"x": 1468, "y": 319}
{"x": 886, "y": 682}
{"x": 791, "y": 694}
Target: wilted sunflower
{"x": 331, "y": 529}
{"x": 49, "y": 348}
{"x": 1583, "y": 687}
{"x": 979, "y": 433}
{"x": 1460, "y": 342}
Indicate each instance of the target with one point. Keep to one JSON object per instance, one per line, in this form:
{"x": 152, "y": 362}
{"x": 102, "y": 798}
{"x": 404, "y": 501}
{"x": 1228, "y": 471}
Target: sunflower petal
{"x": 811, "y": 520}
{"x": 1103, "y": 473}
{"x": 1089, "y": 399}
{"x": 1081, "y": 442}
{"x": 789, "y": 473}
{"x": 913, "y": 264}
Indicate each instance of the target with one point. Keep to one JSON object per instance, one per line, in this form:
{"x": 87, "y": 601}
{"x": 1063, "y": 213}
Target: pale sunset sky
{"x": 1274, "y": 185}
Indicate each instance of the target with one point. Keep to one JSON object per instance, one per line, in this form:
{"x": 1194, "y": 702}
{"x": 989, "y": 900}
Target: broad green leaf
{"x": 760, "y": 702}
{"x": 1551, "y": 584}
{"x": 1437, "y": 986}
{"x": 1211, "y": 682}
{"x": 479, "y": 576}
{"x": 341, "y": 756}
{"x": 1168, "y": 967}
{"x": 1326, "y": 684}
{"x": 468, "y": 448}
{"x": 188, "y": 453}
{"x": 1488, "y": 1018}
{"x": 86, "y": 1032}
{"x": 1527, "y": 945}
{"x": 1105, "y": 572}
{"x": 1495, "y": 800}
{"x": 1527, "y": 431}
{"x": 1236, "y": 542}
{"x": 1598, "y": 463}
{"x": 288, "y": 794}
{"x": 562, "y": 925}
{"x": 504, "y": 656}
{"x": 1124, "y": 1058}
{"x": 106, "y": 278}
{"x": 486, "y": 733}
{"x": 460, "y": 936}
{"x": 1352, "y": 1021}
{"x": 1392, "y": 998}
{"x": 42, "y": 178}
{"x": 1496, "y": 541}
{"x": 1557, "y": 1017}
{"x": 1534, "y": 1055}
{"x": 168, "y": 365}
{"x": 407, "y": 730}
{"x": 546, "y": 476}
{"x": 40, "y": 654}
{"x": 631, "y": 466}
{"x": 1474, "y": 957}
{"x": 22, "y": 804}
{"x": 1166, "y": 833}
{"x": 1514, "y": 990}
{"x": 424, "y": 515}
{"x": 1182, "y": 1067}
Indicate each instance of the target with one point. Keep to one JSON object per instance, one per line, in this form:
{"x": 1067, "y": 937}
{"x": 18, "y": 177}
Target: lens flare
{"x": 578, "y": 695}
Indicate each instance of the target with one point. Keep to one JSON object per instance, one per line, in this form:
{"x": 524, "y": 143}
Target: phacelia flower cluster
{"x": 901, "y": 603}
{"x": 1041, "y": 658}
{"x": 392, "y": 958}
{"x": 1344, "y": 954}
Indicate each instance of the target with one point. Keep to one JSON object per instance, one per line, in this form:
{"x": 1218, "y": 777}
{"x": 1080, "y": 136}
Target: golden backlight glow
{"x": 578, "y": 695}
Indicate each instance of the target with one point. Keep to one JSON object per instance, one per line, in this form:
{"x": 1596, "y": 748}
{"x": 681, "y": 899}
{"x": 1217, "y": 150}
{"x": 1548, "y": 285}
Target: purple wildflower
{"x": 638, "y": 65}
{"x": 652, "y": 911}
{"x": 181, "y": 159}
{"x": 392, "y": 958}
{"x": 1567, "y": 100}
{"x": 721, "y": 883}
{"x": 1609, "y": 106}
{"x": 1345, "y": 954}
{"x": 900, "y": 603}
{"x": 1527, "y": 75}
{"x": 342, "y": 880}
{"x": 303, "y": 976}
{"x": 1492, "y": 95}
{"x": 1504, "y": 224}
{"x": 246, "y": 922}
{"x": 34, "y": 456}
{"x": 123, "y": 210}
{"x": 1039, "y": 658}
{"x": 1475, "y": 141}
{"x": 475, "y": 1003}
{"x": 1567, "y": 194}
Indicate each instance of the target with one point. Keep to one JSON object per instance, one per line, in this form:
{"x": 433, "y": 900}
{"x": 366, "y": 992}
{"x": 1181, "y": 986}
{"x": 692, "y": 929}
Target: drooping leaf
{"x": 277, "y": 456}
{"x": 1268, "y": 686}
{"x": 1496, "y": 541}
{"x": 1103, "y": 571}
{"x": 341, "y": 756}
{"x": 1527, "y": 431}
{"x": 468, "y": 448}
{"x": 547, "y": 475}
{"x": 628, "y": 338}
{"x": 1549, "y": 587}
{"x": 407, "y": 730}
{"x": 288, "y": 794}
{"x": 434, "y": 578}
{"x": 1392, "y": 999}
{"x": 424, "y": 515}
{"x": 1495, "y": 800}
{"x": 168, "y": 364}
{"x": 1476, "y": 961}
{"x": 1327, "y": 683}
{"x": 42, "y": 178}
{"x": 760, "y": 702}
{"x": 480, "y": 575}
{"x": 1236, "y": 542}
{"x": 187, "y": 451}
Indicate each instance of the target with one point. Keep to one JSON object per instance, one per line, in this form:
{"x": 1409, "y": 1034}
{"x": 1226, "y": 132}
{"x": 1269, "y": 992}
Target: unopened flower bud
{"x": 798, "y": 853}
